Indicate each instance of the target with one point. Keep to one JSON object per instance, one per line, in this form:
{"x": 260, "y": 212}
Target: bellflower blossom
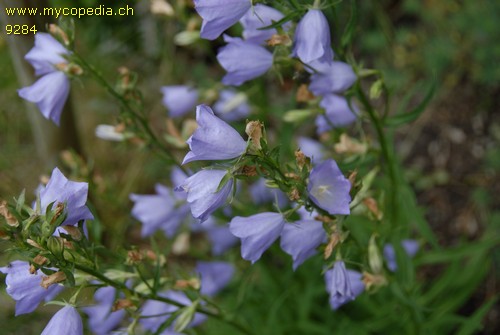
{"x": 300, "y": 240}
{"x": 343, "y": 285}
{"x": 65, "y": 321}
{"x": 214, "y": 139}
{"x": 201, "y": 192}
{"x": 332, "y": 77}
{"x": 214, "y": 276}
{"x": 243, "y": 61}
{"x": 231, "y": 106}
{"x": 258, "y": 17}
{"x": 312, "y": 38}
{"x": 101, "y": 319}
{"x": 329, "y": 189}
{"x": 338, "y": 113}
{"x": 179, "y": 99}
{"x": 257, "y": 233}
{"x": 409, "y": 246}
{"x": 219, "y": 15}
{"x": 159, "y": 211}
{"x": 51, "y": 90}
{"x": 25, "y": 288}
{"x": 74, "y": 194}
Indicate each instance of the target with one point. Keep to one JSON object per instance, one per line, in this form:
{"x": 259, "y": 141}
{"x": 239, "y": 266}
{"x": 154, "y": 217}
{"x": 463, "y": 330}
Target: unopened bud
{"x": 57, "y": 212}
{"x": 250, "y": 171}
{"x": 58, "y": 33}
{"x": 303, "y": 94}
{"x": 300, "y": 158}
{"x": 40, "y": 260}
{"x": 183, "y": 284}
{"x": 352, "y": 177}
{"x": 332, "y": 243}
{"x": 186, "y": 37}
{"x": 9, "y": 218}
{"x": 34, "y": 244}
{"x": 374, "y": 256}
{"x": 181, "y": 244}
{"x": 372, "y": 206}
{"x": 54, "y": 278}
{"x": 294, "y": 194}
{"x": 134, "y": 257}
{"x": 349, "y": 146}
{"x": 161, "y": 7}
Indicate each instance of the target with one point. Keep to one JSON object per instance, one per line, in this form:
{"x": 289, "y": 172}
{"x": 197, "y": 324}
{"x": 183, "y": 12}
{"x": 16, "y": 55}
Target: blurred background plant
{"x": 450, "y": 155}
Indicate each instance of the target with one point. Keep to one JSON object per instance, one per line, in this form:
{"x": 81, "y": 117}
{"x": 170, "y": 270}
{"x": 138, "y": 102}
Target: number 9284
{"x": 20, "y": 29}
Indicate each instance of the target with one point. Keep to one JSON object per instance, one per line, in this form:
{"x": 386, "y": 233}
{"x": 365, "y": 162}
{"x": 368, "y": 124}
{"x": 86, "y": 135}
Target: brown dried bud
{"x": 40, "y": 260}
{"x": 352, "y": 177}
{"x": 59, "y": 209}
{"x": 292, "y": 175}
{"x": 181, "y": 244}
{"x": 250, "y": 171}
{"x": 332, "y": 243}
{"x": 372, "y": 206}
{"x": 373, "y": 280}
{"x": 4, "y": 211}
{"x": 183, "y": 284}
{"x": 349, "y": 146}
{"x": 254, "y": 132}
{"x": 149, "y": 254}
{"x": 134, "y": 257}
{"x": 121, "y": 304}
{"x": 54, "y": 278}
{"x": 278, "y": 39}
{"x": 323, "y": 218}
{"x": 32, "y": 269}
{"x": 58, "y": 33}
{"x": 303, "y": 94}
{"x": 294, "y": 194}
{"x": 300, "y": 158}
{"x": 34, "y": 244}
{"x": 74, "y": 232}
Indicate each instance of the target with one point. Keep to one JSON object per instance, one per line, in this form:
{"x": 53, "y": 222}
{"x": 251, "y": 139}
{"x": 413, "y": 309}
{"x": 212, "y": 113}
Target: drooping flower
{"x": 214, "y": 276}
{"x": 243, "y": 61}
{"x": 342, "y": 285}
{"x": 312, "y": 38}
{"x": 231, "y": 106}
{"x": 338, "y": 113}
{"x": 157, "y": 211}
{"x": 214, "y": 139}
{"x": 329, "y": 189}
{"x": 201, "y": 192}
{"x": 257, "y": 233}
{"x": 260, "y": 16}
{"x": 25, "y": 288}
{"x": 101, "y": 319}
{"x": 179, "y": 99}
{"x": 219, "y": 15}
{"x": 51, "y": 91}
{"x": 73, "y": 194}
{"x": 66, "y": 321}
{"x": 300, "y": 240}
{"x": 409, "y": 246}
{"x": 165, "y": 310}
{"x": 332, "y": 77}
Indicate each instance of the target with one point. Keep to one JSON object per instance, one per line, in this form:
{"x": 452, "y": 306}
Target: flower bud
{"x": 278, "y": 39}
{"x": 254, "y": 132}
{"x": 374, "y": 256}
{"x": 181, "y": 244}
{"x": 303, "y": 94}
{"x": 9, "y": 218}
{"x": 121, "y": 304}
{"x": 59, "y": 34}
{"x": 373, "y": 280}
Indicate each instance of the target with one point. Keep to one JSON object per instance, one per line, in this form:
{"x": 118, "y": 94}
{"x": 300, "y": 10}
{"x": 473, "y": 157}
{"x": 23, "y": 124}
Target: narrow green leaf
{"x": 474, "y": 322}
{"x": 224, "y": 181}
{"x": 351, "y": 25}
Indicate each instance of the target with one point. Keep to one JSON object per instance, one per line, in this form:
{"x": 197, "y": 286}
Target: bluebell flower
{"x": 65, "y": 321}
{"x": 410, "y": 247}
{"x": 214, "y": 139}
{"x": 312, "y": 38}
{"x": 219, "y": 15}
{"x": 154, "y": 307}
{"x": 214, "y": 276}
{"x": 338, "y": 113}
{"x": 257, "y": 233}
{"x": 73, "y": 194}
{"x": 179, "y": 99}
{"x": 332, "y": 77}
{"x": 300, "y": 240}
{"x": 25, "y": 288}
{"x": 260, "y": 16}
{"x": 329, "y": 189}
{"x": 231, "y": 106}
{"x": 159, "y": 211}
{"x": 101, "y": 319}
{"x": 343, "y": 285}
{"x": 51, "y": 91}
{"x": 243, "y": 61}
{"x": 201, "y": 192}
{"x": 311, "y": 148}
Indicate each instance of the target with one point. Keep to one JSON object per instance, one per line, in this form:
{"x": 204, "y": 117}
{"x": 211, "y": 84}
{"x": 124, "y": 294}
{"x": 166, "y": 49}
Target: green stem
{"x": 123, "y": 287}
